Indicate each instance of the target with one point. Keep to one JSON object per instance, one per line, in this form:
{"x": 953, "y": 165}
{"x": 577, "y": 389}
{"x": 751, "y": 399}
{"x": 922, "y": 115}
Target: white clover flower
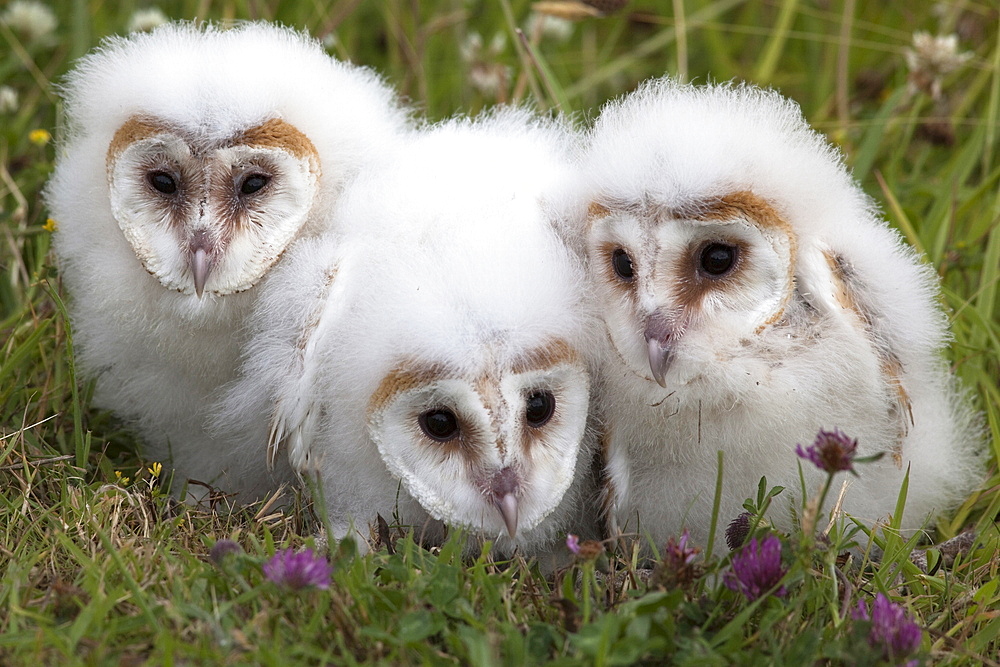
{"x": 498, "y": 43}
{"x": 931, "y": 58}
{"x": 489, "y": 79}
{"x": 144, "y": 20}
{"x": 553, "y": 27}
{"x": 486, "y": 74}
{"x": 471, "y": 47}
{"x": 8, "y": 100}
{"x": 33, "y": 21}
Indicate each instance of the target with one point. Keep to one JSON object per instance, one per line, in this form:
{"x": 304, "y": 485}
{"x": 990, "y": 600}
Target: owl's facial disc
{"x": 210, "y": 214}
{"x": 494, "y": 451}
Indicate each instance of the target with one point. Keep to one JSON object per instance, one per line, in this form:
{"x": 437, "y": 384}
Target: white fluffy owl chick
{"x": 431, "y": 363}
{"x": 194, "y": 155}
{"x": 753, "y": 296}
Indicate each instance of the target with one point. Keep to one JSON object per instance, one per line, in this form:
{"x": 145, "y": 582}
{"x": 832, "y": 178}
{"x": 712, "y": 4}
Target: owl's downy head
{"x": 217, "y": 146}
{"x": 713, "y": 209}
{"x": 480, "y": 327}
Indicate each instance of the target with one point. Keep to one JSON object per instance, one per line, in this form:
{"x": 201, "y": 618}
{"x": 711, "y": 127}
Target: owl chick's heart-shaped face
{"x": 210, "y": 214}
{"x": 677, "y": 285}
{"x": 494, "y": 451}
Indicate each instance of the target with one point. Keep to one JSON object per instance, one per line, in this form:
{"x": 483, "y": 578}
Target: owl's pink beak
{"x": 202, "y": 249}
{"x": 661, "y": 338}
{"x": 502, "y": 488}
{"x": 201, "y": 266}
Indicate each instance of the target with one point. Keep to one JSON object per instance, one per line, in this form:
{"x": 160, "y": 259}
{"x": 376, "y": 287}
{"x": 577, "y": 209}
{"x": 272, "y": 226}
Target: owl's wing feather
{"x": 828, "y": 283}
{"x": 295, "y": 412}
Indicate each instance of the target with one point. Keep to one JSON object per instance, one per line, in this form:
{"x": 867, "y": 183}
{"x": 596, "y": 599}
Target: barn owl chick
{"x": 431, "y": 361}
{"x": 752, "y": 296}
{"x": 194, "y": 155}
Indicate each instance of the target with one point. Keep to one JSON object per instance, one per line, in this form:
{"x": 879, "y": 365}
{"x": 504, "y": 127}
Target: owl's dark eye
{"x": 163, "y": 182}
{"x": 718, "y": 259}
{"x": 439, "y": 424}
{"x": 253, "y": 183}
{"x": 538, "y": 408}
{"x": 622, "y": 264}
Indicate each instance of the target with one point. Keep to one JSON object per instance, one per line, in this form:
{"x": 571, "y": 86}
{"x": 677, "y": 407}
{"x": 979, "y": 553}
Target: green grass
{"x": 97, "y": 571}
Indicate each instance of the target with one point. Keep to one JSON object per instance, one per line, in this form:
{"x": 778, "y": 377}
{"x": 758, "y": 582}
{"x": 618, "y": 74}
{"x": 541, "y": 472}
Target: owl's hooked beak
{"x": 502, "y": 488}
{"x": 200, "y": 261}
{"x": 661, "y": 336}
{"x": 200, "y": 268}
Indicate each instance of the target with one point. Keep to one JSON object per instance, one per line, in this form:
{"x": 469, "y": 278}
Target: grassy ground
{"x": 99, "y": 566}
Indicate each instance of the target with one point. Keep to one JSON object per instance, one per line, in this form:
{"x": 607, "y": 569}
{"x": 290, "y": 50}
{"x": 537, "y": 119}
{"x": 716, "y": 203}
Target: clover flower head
{"x": 737, "y": 531}
{"x": 677, "y": 567}
{"x": 930, "y": 59}
{"x": 832, "y": 451}
{"x": 892, "y": 630}
{"x": 8, "y": 100}
{"x": 553, "y": 27}
{"x": 678, "y": 553}
{"x": 144, "y": 20}
{"x": 32, "y": 20}
{"x": 586, "y": 550}
{"x": 756, "y": 569}
{"x": 298, "y": 570}
{"x": 222, "y": 549}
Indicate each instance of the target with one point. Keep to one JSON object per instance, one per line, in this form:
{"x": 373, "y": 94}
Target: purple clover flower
{"x": 586, "y": 550}
{"x": 831, "y": 452}
{"x": 222, "y": 549}
{"x": 677, "y": 568}
{"x": 298, "y": 570}
{"x": 756, "y": 569}
{"x": 677, "y": 555}
{"x": 892, "y": 630}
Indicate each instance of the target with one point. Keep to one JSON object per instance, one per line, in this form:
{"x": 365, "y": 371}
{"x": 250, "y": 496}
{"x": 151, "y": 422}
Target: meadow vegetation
{"x": 100, "y": 566}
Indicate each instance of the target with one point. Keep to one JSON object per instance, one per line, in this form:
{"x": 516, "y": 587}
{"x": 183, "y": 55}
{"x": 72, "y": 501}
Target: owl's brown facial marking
{"x": 747, "y": 205}
{"x": 132, "y": 130}
{"x": 439, "y": 426}
{"x": 243, "y": 193}
{"x": 276, "y": 133}
{"x": 618, "y": 269}
{"x": 757, "y": 211}
{"x": 556, "y": 352}
{"x": 541, "y": 405}
{"x": 714, "y": 265}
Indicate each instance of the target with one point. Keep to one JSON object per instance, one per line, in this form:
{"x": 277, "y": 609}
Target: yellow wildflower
{"x": 39, "y": 137}
{"x": 50, "y": 225}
